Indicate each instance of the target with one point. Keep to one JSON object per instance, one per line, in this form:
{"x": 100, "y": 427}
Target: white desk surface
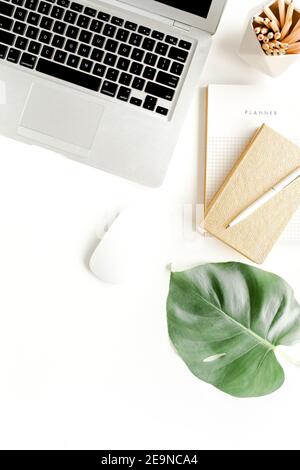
{"x": 85, "y": 365}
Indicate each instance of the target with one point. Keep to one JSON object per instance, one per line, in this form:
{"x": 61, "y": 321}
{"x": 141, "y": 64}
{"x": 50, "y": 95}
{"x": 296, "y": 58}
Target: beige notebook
{"x": 268, "y": 159}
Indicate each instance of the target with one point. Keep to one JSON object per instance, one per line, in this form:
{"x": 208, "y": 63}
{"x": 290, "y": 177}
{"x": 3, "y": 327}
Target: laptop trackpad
{"x": 61, "y": 118}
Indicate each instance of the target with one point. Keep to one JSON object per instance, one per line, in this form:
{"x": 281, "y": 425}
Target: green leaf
{"x": 226, "y": 319}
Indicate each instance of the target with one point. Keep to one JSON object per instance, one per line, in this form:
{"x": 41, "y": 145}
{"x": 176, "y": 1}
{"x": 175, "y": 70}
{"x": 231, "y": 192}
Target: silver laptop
{"x": 106, "y": 83}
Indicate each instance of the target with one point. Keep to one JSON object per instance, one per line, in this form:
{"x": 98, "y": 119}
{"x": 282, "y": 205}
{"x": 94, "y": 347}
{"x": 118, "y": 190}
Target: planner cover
{"x": 267, "y": 159}
{"x": 234, "y": 112}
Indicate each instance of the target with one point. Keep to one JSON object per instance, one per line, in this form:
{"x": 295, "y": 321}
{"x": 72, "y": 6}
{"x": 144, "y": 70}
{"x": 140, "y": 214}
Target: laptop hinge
{"x": 182, "y": 26}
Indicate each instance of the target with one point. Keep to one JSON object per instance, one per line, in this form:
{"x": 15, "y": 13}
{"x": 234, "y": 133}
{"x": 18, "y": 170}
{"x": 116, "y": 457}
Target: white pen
{"x": 277, "y": 188}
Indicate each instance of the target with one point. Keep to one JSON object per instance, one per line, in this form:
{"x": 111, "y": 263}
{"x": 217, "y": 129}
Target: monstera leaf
{"x": 226, "y": 320}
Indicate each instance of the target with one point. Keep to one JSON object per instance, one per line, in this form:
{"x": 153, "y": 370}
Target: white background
{"x": 88, "y": 365}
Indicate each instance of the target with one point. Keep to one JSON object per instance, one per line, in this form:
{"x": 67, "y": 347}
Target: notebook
{"x": 234, "y": 112}
{"x": 267, "y": 160}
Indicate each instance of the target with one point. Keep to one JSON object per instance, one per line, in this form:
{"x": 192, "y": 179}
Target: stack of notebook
{"x": 267, "y": 158}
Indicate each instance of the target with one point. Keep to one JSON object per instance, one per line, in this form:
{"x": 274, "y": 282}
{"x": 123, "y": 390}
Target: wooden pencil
{"x": 286, "y": 28}
{"x": 281, "y": 7}
{"x": 271, "y": 16}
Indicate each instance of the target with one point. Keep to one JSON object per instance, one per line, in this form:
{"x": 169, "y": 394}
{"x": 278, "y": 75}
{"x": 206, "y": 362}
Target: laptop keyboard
{"x": 93, "y": 49}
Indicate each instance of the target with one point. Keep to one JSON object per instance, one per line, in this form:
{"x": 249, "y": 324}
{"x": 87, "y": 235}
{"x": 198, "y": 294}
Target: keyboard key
{"x": 64, "y": 73}
{"x": 178, "y": 54}
{"x": 34, "y": 47}
{"x": 96, "y": 26}
{"x": 145, "y": 31}
{"x": 21, "y": 43}
{"x": 122, "y": 35}
{"x": 149, "y": 73}
{"x": 44, "y": 8}
{"x": 6, "y": 9}
{"x": 109, "y": 89}
{"x": 117, "y": 21}
{"x": 57, "y": 13}
{"x": 6, "y": 23}
{"x": 47, "y": 52}
{"x": 83, "y": 21}
{"x": 110, "y": 59}
{"x": 103, "y": 16}
{"x": 76, "y": 7}
{"x": 17, "y": 2}
{"x": 125, "y": 79}
{"x": 150, "y": 103}
{"x": 160, "y": 91}
{"x": 136, "y": 68}
{"x": 59, "y": 27}
{"x": 163, "y": 63}
{"x": 7, "y": 38}
{"x": 97, "y": 55}
{"x": 185, "y": 45}
{"x": 33, "y": 18}
{"x": 131, "y": 26}
{"x": 86, "y": 65}
{"x": 58, "y": 41}
{"x": 63, "y": 3}
{"x": 84, "y": 50}
{"x": 137, "y": 54}
{"x": 32, "y": 32}
{"x": 73, "y": 60}
{"x": 177, "y": 68}
{"x": 124, "y": 50}
{"x": 60, "y": 56}
{"x": 171, "y": 40}
{"x": 161, "y": 48}
{"x": 90, "y": 11}
{"x": 138, "y": 83}
{"x": 123, "y": 64}
{"x": 162, "y": 111}
{"x": 111, "y": 45}
{"x": 124, "y": 94}
{"x": 13, "y": 56}
{"x": 46, "y": 23}
{"x": 167, "y": 79}
{"x": 85, "y": 36}
{"x": 135, "y": 39}
{"x": 31, "y": 4}
{"x": 99, "y": 70}
{"x": 70, "y": 17}
{"x": 112, "y": 74}
{"x": 3, "y": 51}
{"x": 72, "y": 32}
{"x": 136, "y": 101}
{"x": 45, "y": 37}
{"x": 148, "y": 44}
{"x": 157, "y": 35}
{"x": 28, "y": 60}
{"x": 109, "y": 30}
{"x": 98, "y": 41}
{"x": 71, "y": 46}
{"x": 19, "y": 28}
{"x": 151, "y": 59}
{"x": 21, "y": 14}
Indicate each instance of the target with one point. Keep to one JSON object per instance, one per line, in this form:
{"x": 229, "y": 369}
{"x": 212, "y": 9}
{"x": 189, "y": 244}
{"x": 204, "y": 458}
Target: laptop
{"x": 106, "y": 83}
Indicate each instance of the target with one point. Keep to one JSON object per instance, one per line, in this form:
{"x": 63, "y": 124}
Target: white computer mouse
{"x": 139, "y": 237}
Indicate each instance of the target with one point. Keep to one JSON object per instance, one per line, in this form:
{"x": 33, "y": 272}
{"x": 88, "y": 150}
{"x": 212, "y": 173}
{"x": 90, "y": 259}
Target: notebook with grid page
{"x": 234, "y": 112}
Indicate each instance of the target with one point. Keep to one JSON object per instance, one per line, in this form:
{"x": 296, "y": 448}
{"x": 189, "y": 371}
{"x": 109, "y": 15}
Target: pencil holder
{"x": 271, "y": 42}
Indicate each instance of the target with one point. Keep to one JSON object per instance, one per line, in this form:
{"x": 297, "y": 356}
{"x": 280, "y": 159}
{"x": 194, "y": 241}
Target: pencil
{"x": 294, "y": 33}
{"x": 281, "y": 7}
{"x": 295, "y": 49}
{"x": 271, "y": 16}
{"x": 286, "y": 29}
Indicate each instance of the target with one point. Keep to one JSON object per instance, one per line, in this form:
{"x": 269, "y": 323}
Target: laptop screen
{"x": 196, "y": 8}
